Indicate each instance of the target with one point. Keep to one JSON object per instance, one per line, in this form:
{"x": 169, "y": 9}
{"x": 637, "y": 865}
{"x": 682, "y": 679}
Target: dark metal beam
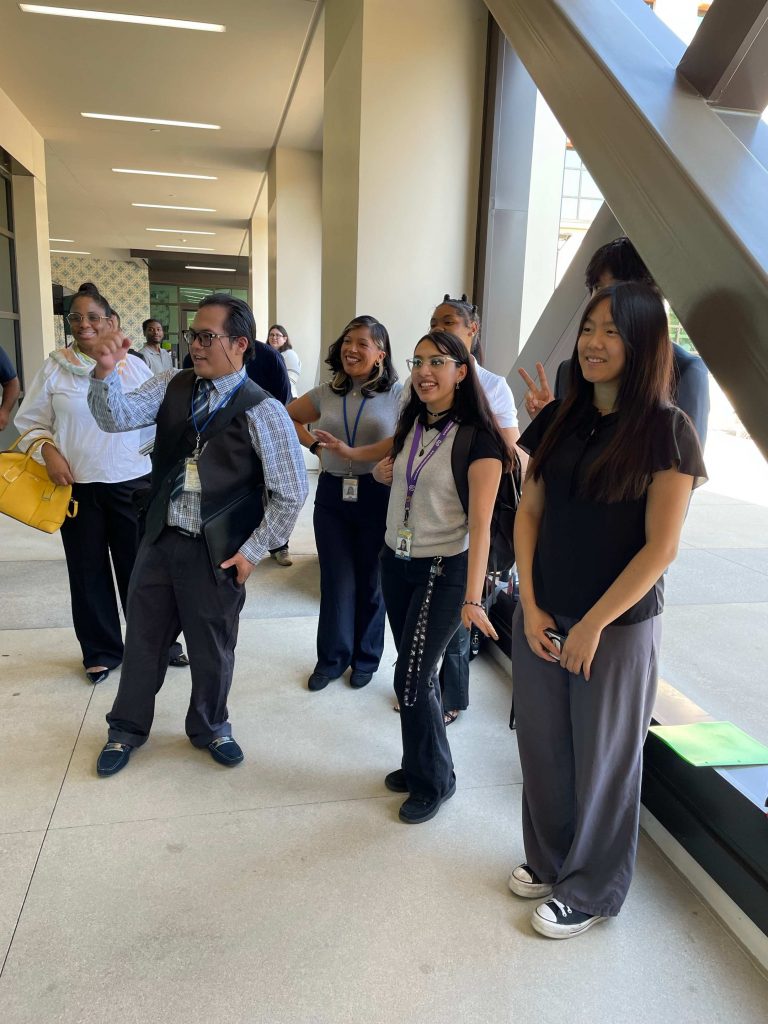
{"x": 684, "y": 187}
{"x": 727, "y": 61}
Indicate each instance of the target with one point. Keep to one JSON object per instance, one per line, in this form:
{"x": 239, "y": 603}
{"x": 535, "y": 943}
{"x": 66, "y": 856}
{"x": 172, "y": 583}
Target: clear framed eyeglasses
{"x": 433, "y": 362}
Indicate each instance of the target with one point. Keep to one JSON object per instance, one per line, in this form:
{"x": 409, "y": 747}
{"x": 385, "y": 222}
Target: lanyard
{"x": 412, "y": 475}
{"x": 351, "y": 439}
{"x": 222, "y": 402}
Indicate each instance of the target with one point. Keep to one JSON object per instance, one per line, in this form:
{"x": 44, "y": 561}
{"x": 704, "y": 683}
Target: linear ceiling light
{"x": 70, "y": 240}
{"x": 165, "y": 174}
{"x": 70, "y": 252}
{"x": 131, "y": 19}
{"x": 178, "y": 231}
{"x": 223, "y": 270}
{"x": 188, "y": 248}
{"x": 153, "y": 120}
{"x": 161, "y": 206}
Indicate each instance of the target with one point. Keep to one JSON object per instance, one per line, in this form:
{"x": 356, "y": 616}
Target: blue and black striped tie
{"x": 197, "y": 415}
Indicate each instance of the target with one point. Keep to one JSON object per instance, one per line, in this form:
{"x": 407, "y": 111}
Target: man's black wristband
{"x": 313, "y": 447}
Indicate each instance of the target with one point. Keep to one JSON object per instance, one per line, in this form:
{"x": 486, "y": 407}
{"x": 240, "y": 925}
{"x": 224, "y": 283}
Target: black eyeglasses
{"x": 93, "y": 318}
{"x": 204, "y": 337}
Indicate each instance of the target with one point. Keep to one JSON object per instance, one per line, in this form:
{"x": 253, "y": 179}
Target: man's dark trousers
{"x": 172, "y": 588}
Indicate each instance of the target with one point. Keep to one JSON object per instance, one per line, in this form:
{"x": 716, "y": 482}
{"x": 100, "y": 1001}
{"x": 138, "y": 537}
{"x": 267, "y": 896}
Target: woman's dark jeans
{"x": 427, "y": 759}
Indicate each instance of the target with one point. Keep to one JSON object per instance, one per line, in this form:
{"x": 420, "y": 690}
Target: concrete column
{"x": 33, "y": 270}
{"x": 401, "y": 153}
{"x": 295, "y": 252}
{"x": 258, "y": 284}
{"x": 524, "y": 154}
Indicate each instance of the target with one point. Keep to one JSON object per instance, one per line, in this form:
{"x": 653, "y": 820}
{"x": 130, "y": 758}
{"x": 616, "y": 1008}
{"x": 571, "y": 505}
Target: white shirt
{"x": 158, "y": 361}
{"x": 497, "y": 391}
{"x": 293, "y": 368}
{"x": 56, "y": 403}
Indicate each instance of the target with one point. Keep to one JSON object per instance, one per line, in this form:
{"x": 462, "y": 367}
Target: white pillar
{"x": 33, "y": 270}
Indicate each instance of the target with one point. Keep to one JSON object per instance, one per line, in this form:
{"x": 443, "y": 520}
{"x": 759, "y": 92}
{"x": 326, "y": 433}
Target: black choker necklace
{"x": 438, "y": 414}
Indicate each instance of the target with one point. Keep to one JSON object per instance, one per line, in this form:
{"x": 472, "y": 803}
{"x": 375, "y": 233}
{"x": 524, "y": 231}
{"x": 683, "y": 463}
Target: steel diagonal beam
{"x": 685, "y": 188}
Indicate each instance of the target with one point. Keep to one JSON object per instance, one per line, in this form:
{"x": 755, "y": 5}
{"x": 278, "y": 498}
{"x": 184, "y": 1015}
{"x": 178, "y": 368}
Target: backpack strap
{"x": 462, "y": 445}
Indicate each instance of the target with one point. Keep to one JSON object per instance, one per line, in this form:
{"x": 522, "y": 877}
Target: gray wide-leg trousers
{"x": 581, "y": 752}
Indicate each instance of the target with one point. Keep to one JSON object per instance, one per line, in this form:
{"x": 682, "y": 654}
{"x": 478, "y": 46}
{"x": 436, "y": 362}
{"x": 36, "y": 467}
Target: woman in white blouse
{"x": 105, "y": 471}
{"x": 278, "y": 339}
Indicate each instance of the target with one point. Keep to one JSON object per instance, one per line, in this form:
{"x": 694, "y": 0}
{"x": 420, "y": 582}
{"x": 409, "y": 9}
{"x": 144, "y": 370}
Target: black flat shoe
{"x": 226, "y": 751}
{"x": 415, "y": 810}
{"x": 360, "y": 679}
{"x": 317, "y": 681}
{"x": 97, "y": 677}
{"x": 181, "y": 662}
{"x": 395, "y": 781}
{"x": 113, "y": 757}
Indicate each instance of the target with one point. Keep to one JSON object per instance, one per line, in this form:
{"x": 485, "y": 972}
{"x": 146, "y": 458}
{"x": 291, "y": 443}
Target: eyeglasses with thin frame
{"x": 434, "y": 362}
{"x": 204, "y": 337}
{"x": 73, "y": 319}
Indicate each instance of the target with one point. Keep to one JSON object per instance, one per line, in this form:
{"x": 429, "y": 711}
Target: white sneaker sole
{"x": 529, "y": 890}
{"x": 562, "y": 931}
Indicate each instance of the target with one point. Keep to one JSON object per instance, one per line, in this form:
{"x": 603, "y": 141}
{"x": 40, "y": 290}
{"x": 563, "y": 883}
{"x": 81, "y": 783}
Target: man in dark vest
{"x": 220, "y": 438}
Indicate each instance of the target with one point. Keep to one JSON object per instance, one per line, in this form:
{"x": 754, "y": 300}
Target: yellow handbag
{"x": 28, "y": 494}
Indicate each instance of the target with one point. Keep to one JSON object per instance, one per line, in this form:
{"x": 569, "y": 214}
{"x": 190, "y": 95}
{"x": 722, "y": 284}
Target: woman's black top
{"x": 584, "y": 545}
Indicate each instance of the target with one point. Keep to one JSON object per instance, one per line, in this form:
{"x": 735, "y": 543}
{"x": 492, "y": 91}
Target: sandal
{"x": 450, "y": 716}
{"x": 396, "y": 708}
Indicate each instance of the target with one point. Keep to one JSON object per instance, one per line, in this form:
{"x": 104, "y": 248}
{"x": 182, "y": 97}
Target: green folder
{"x": 712, "y": 744}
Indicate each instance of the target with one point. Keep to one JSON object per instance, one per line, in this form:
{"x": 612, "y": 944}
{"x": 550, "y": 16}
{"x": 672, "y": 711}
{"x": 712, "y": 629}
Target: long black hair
{"x": 622, "y": 472}
{"x": 469, "y": 404}
{"x": 382, "y": 377}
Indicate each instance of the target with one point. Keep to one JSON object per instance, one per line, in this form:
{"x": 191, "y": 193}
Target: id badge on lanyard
{"x": 404, "y": 540}
{"x": 349, "y": 488}
{"x": 192, "y": 475}
{"x": 350, "y": 484}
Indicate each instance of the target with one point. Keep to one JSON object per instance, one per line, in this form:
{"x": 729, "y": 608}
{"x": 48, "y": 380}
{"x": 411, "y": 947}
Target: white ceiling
{"x": 54, "y": 68}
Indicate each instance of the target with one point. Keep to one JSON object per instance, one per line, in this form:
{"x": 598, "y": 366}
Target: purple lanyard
{"x": 412, "y": 475}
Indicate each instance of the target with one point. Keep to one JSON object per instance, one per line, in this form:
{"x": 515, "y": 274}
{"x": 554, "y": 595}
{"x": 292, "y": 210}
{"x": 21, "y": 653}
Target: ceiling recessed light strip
{"x": 178, "y": 231}
{"x": 153, "y": 120}
{"x": 187, "y": 248}
{"x": 70, "y": 252}
{"x": 166, "y": 174}
{"x": 223, "y": 270}
{"x": 161, "y": 206}
{"x": 131, "y": 19}
{"x": 70, "y": 240}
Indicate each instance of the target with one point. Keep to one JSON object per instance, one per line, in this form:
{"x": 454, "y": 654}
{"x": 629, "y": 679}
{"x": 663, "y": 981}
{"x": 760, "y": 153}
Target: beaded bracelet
{"x": 476, "y": 604}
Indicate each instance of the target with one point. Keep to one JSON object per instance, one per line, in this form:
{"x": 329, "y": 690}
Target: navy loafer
{"x": 226, "y": 751}
{"x": 360, "y": 679}
{"x": 113, "y": 758}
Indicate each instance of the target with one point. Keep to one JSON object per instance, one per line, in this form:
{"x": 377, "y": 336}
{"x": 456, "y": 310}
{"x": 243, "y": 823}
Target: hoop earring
{"x": 379, "y": 372}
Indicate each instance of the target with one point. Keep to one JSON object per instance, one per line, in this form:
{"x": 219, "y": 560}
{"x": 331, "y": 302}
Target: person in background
{"x": 244, "y": 437}
{"x": 9, "y": 385}
{"x": 462, "y": 319}
{"x": 105, "y": 473}
{"x": 599, "y": 522}
{"x": 157, "y": 359}
{"x": 435, "y": 556}
{"x": 360, "y": 406}
{"x": 278, "y": 339}
{"x": 620, "y": 261}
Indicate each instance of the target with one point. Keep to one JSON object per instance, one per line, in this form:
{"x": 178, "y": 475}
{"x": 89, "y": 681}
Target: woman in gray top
{"x": 354, "y": 418}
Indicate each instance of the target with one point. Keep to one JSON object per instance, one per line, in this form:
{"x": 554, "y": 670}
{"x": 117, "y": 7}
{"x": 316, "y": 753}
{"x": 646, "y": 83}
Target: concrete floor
{"x": 286, "y": 890}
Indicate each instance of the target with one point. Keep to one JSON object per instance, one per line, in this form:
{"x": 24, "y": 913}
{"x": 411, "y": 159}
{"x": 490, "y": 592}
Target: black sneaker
{"x": 113, "y": 757}
{"x": 317, "y": 681}
{"x": 226, "y": 751}
{"x": 395, "y": 781}
{"x": 556, "y": 920}
{"x": 416, "y": 809}
{"x": 360, "y": 679}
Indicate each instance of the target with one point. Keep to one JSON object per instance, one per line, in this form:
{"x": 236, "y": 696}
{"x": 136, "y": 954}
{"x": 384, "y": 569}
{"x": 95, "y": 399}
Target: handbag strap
{"x": 37, "y": 443}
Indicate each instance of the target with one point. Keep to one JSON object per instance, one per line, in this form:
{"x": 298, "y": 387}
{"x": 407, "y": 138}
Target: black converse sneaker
{"x": 524, "y": 882}
{"x": 556, "y": 920}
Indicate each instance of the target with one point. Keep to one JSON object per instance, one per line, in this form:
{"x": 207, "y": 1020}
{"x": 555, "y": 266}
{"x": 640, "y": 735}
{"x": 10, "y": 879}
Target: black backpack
{"x": 501, "y": 554}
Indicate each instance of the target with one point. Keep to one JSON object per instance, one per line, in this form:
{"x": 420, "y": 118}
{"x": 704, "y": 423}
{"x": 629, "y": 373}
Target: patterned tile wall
{"x": 124, "y": 283}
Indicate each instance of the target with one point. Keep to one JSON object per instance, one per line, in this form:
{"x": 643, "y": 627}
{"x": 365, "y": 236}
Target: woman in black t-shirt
{"x": 606, "y": 493}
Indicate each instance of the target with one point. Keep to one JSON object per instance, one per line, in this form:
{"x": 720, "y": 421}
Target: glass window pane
{"x": 163, "y": 293}
{"x": 572, "y": 158}
{"x": 240, "y": 293}
{"x": 571, "y": 182}
{"x": 588, "y": 209}
{"x": 6, "y": 275}
{"x": 589, "y": 189}
{"x": 8, "y": 340}
{"x": 570, "y": 209}
{"x": 5, "y": 203}
{"x": 189, "y": 293}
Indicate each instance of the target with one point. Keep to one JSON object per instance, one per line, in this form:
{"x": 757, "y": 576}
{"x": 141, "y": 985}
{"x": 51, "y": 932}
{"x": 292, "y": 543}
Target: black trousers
{"x": 349, "y": 536}
{"x": 427, "y": 758}
{"x": 173, "y": 588}
{"x": 454, "y": 672}
{"x": 105, "y": 527}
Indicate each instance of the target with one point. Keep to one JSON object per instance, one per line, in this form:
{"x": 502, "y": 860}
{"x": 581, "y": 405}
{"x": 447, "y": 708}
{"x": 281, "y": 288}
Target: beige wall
{"x": 123, "y": 283}
{"x": 410, "y": 180}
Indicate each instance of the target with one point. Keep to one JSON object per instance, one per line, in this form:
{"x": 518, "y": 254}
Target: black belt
{"x": 184, "y": 533}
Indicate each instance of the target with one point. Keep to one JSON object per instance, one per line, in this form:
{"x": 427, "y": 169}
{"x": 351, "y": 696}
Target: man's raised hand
{"x": 108, "y": 350}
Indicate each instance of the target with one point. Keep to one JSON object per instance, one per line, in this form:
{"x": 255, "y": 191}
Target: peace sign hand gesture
{"x": 536, "y": 397}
